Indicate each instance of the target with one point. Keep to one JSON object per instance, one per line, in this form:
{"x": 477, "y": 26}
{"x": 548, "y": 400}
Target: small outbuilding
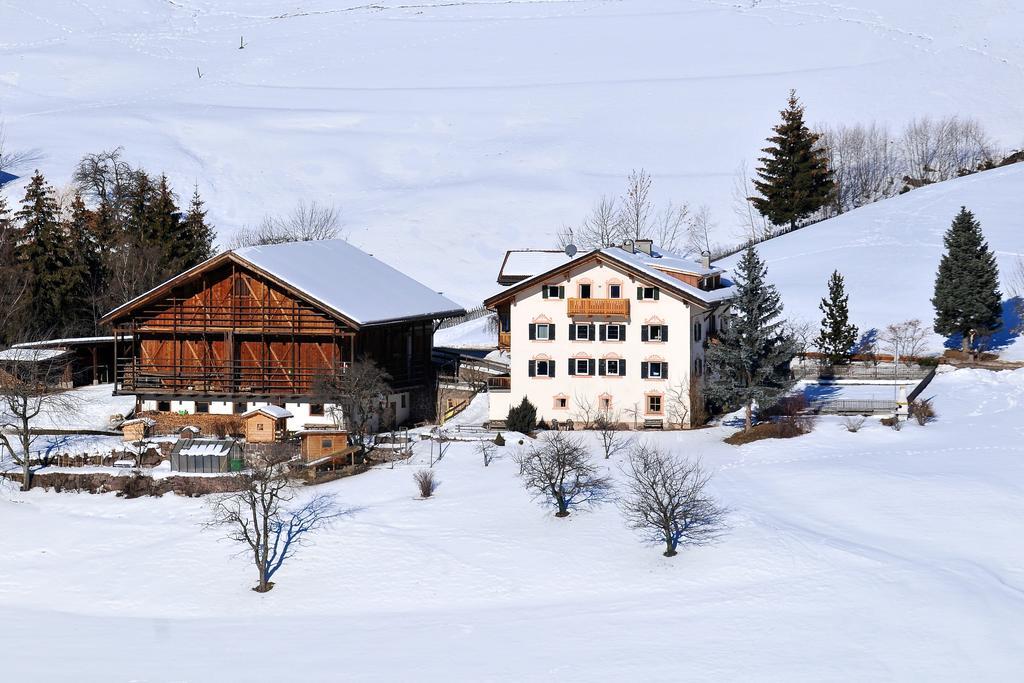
{"x": 315, "y": 444}
{"x": 265, "y": 424}
{"x": 206, "y": 455}
{"x": 189, "y": 432}
{"x": 137, "y": 429}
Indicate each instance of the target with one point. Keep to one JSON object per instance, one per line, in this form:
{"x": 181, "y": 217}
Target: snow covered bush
{"x": 923, "y": 411}
{"x": 853, "y": 423}
{"x": 560, "y": 473}
{"x": 666, "y": 501}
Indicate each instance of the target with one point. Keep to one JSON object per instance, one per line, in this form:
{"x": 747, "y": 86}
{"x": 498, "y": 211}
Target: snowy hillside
{"x": 889, "y": 252}
{"x": 879, "y": 555}
{"x": 449, "y": 131}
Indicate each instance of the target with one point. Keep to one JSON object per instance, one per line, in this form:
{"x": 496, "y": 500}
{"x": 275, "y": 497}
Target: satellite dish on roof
{"x": 570, "y": 250}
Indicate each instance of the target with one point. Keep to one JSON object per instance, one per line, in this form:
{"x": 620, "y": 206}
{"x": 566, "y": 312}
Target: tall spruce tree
{"x": 164, "y": 227}
{"x": 196, "y": 243}
{"x": 967, "y": 299}
{"x": 750, "y": 362}
{"x": 837, "y": 335}
{"x": 81, "y": 231}
{"x": 57, "y": 287}
{"x": 794, "y": 177}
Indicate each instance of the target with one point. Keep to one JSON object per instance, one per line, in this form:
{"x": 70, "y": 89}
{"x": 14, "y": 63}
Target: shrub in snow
{"x": 426, "y": 483}
{"x": 923, "y": 411}
{"x": 853, "y": 423}
{"x": 666, "y": 501}
{"x": 499, "y": 440}
{"x": 522, "y": 418}
{"x": 559, "y": 472}
{"x": 486, "y": 450}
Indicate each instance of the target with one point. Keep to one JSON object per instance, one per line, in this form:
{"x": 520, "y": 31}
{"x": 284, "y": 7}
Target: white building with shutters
{"x": 619, "y": 330}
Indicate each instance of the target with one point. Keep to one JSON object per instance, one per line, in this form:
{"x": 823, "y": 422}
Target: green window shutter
{"x": 639, "y": 293}
{"x": 622, "y": 367}
{"x": 561, "y": 292}
{"x": 664, "y": 333}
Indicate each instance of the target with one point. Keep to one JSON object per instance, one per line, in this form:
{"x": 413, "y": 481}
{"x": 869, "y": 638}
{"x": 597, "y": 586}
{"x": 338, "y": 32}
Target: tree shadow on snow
{"x": 1006, "y": 335}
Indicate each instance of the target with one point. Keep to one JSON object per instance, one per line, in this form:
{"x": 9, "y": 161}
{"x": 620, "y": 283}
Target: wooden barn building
{"x": 257, "y": 326}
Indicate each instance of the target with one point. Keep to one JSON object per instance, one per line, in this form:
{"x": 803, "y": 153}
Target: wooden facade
{"x": 226, "y": 331}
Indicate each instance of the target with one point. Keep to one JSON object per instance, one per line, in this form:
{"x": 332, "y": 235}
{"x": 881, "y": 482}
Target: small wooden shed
{"x": 137, "y": 429}
{"x": 316, "y": 444}
{"x": 265, "y": 424}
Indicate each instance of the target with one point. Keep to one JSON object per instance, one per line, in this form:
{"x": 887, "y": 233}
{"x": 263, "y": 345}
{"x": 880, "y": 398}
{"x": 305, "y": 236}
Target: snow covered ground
{"x": 450, "y": 131}
{"x": 879, "y": 555}
{"x": 472, "y": 334}
{"x": 889, "y": 253}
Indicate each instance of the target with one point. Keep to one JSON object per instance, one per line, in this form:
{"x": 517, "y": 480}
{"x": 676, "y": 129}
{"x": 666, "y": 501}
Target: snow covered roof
{"x": 276, "y": 412}
{"x": 71, "y": 341}
{"x": 520, "y": 264}
{"x": 350, "y": 281}
{"x": 207, "y": 448}
{"x": 23, "y": 355}
{"x": 148, "y": 421}
{"x": 326, "y": 431}
{"x": 653, "y": 266}
{"x": 337, "y": 275}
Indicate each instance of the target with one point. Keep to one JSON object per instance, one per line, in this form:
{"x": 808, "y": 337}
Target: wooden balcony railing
{"x": 609, "y": 307}
{"x": 221, "y": 378}
{"x": 499, "y": 383}
{"x": 504, "y": 340}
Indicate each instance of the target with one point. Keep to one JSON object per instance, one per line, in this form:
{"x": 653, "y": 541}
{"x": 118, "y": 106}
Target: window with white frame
{"x": 582, "y": 366}
{"x": 654, "y": 333}
{"x": 611, "y": 366}
{"x": 613, "y": 332}
{"x": 615, "y": 291}
{"x": 543, "y": 331}
{"x": 542, "y": 367}
{"x": 654, "y": 404}
{"x": 653, "y": 370}
{"x": 583, "y": 333}
{"x": 584, "y": 290}
{"x": 552, "y": 291}
{"x": 647, "y": 293}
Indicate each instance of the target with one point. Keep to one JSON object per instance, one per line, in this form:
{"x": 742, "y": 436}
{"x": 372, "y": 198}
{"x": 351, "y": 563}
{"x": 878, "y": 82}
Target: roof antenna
{"x": 241, "y": 43}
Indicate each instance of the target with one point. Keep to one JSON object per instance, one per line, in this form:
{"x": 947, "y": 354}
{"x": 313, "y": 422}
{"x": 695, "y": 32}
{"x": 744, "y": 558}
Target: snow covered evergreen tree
{"x": 795, "y": 180}
{"x": 837, "y": 335}
{"x": 967, "y": 299}
{"x": 750, "y": 362}
{"x": 81, "y": 231}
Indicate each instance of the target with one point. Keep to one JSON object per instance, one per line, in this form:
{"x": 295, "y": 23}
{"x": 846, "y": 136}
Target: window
{"x": 654, "y": 404}
{"x": 202, "y": 407}
{"x": 552, "y": 292}
{"x": 606, "y": 403}
{"x": 163, "y": 406}
{"x": 647, "y": 293}
{"x": 326, "y": 443}
{"x": 653, "y": 370}
{"x": 584, "y": 291}
{"x": 542, "y": 368}
{"x": 240, "y": 408}
{"x": 259, "y": 426}
{"x": 402, "y": 398}
{"x": 582, "y": 366}
{"x": 612, "y": 366}
{"x": 316, "y": 409}
{"x": 698, "y": 367}
{"x": 698, "y": 331}
{"x": 614, "y": 332}
{"x": 542, "y": 331}
{"x": 581, "y": 332}
{"x": 614, "y": 291}
{"x": 654, "y": 333}
{"x": 561, "y": 402}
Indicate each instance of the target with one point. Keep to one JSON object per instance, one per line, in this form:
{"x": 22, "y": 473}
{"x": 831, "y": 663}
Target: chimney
{"x": 705, "y": 259}
{"x": 645, "y": 246}
{"x": 627, "y": 246}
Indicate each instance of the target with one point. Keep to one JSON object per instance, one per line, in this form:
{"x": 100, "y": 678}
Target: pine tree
{"x": 795, "y": 180}
{"x": 81, "y": 231}
{"x": 57, "y": 289}
{"x": 967, "y": 299}
{"x": 750, "y": 362}
{"x": 196, "y": 241}
{"x": 164, "y": 227}
{"x": 837, "y": 335}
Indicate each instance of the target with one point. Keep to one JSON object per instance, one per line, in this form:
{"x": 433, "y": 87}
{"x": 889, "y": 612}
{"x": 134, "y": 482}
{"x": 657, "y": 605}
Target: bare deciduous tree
{"x": 560, "y": 472}
{"x": 699, "y": 227}
{"x": 356, "y": 394}
{"x": 666, "y": 500}
{"x": 306, "y": 222}
{"x": 598, "y": 230}
{"x": 258, "y": 515}
{"x": 865, "y": 161}
{"x": 585, "y": 412}
{"x": 908, "y": 339}
{"x": 939, "y": 149}
{"x": 614, "y": 439}
{"x": 32, "y": 388}
{"x": 12, "y": 159}
{"x": 753, "y": 227}
{"x": 486, "y": 449}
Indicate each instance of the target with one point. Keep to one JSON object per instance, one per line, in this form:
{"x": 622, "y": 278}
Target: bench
{"x": 654, "y": 424}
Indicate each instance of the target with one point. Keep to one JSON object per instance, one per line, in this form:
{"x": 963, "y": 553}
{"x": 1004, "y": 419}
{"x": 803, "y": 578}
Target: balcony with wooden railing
{"x": 504, "y": 340}
{"x": 599, "y": 307}
{"x": 238, "y": 378}
{"x": 500, "y": 383}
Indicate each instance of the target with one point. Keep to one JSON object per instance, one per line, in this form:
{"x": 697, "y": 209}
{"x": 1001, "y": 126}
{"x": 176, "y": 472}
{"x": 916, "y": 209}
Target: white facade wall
{"x": 300, "y": 411}
{"x": 628, "y": 395}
